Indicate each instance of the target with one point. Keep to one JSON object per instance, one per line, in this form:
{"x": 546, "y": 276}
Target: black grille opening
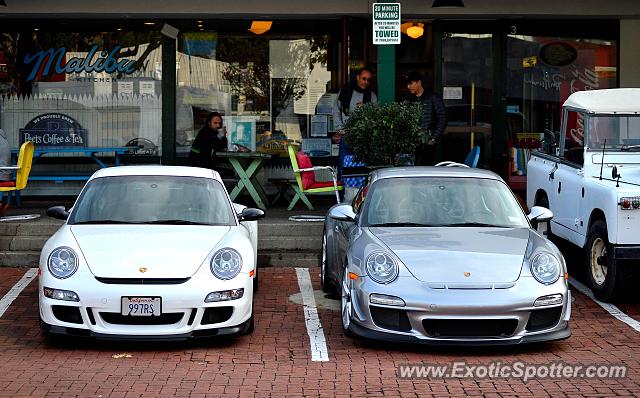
{"x": 216, "y": 315}
{"x": 92, "y": 319}
{"x": 390, "y": 318}
{"x": 470, "y": 327}
{"x": 192, "y": 317}
{"x": 164, "y": 319}
{"x": 544, "y": 318}
{"x": 66, "y": 313}
{"x": 142, "y": 281}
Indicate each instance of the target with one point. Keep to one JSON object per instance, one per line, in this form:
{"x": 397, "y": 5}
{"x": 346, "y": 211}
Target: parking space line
{"x": 610, "y": 308}
{"x": 8, "y": 298}
{"x": 319, "y": 352}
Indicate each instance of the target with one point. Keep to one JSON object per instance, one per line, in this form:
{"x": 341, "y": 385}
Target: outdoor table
{"x": 247, "y": 165}
{"x": 87, "y": 151}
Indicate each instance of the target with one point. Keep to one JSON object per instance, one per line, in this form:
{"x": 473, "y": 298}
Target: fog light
{"x": 551, "y": 299}
{"x": 386, "y": 300}
{"x": 224, "y": 295}
{"x": 65, "y": 295}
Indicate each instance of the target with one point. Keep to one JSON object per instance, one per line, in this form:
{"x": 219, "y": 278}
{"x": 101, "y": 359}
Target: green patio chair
{"x": 307, "y": 173}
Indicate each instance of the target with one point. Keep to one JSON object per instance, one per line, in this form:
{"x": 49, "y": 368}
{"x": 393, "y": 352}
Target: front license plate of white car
{"x": 141, "y": 306}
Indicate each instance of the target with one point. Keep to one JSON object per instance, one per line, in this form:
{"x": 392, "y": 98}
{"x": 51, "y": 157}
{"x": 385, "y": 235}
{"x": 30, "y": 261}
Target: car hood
{"x": 166, "y": 251}
{"x": 458, "y": 255}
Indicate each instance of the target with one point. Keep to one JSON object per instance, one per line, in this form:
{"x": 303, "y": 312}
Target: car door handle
{"x": 552, "y": 174}
{"x": 559, "y": 186}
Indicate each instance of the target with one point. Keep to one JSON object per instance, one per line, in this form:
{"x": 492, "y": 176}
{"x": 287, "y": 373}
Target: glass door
{"x": 467, "y": 89}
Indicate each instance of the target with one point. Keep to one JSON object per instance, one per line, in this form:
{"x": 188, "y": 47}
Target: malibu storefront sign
{"x": 54, "y": 129}
{"x": 48, "y": 61}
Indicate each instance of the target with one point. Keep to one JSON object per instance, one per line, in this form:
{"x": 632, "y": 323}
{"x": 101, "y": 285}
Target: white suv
{"x": 590, "y": 179}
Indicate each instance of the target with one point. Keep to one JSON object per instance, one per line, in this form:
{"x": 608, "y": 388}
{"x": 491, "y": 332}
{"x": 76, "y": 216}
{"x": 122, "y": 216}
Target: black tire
{"x": 255, "y": 280}
{"x": 325, "y": 280}
{"x": 608, "y": 278}
{"x": 249, "y": 326}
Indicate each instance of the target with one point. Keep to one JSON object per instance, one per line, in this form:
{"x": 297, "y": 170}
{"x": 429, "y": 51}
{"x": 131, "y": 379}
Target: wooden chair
{"x": 308, "y": 172}
{"x": 22, "y": 169}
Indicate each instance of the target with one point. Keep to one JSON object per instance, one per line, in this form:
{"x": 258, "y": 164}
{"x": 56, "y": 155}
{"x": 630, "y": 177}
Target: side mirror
{"x": 250, "y": 214}
{"x": 540, "y": 214}
{"x": 58, "y": 212}
{"x": 343, "y": 213}
{"x": 614, "y": 173}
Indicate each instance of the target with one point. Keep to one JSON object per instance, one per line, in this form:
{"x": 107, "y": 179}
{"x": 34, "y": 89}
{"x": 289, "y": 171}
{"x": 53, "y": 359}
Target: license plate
{"x": 141, "y": 306}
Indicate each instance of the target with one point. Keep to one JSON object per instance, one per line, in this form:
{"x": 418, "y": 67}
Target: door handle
{"x": 559, "y": 186}
{"x": 552, "y": 174}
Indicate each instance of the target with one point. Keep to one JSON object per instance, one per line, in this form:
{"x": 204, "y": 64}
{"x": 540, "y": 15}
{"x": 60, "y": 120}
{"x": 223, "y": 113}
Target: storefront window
{"x": 264, "y": 86}
{"x": 89, "y": 89}
{"x": 542, "y": 73}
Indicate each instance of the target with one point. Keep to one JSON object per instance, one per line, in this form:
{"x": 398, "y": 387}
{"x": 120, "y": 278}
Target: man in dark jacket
{"x": 433, "y": 122}
{"x": 211, "y": 138}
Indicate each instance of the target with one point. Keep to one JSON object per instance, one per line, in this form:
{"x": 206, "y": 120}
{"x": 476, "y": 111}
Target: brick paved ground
{"x": 276, "y": 360}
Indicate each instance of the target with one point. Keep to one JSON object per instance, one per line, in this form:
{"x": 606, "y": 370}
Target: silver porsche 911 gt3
{"x": 444, "y": 255}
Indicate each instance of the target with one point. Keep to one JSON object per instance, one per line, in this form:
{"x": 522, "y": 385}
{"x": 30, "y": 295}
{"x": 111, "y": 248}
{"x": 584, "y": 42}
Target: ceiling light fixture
{"x": 260, "y": 27}
{"x": 412, "y": 29}
{"x": 447, "y": 4}
{"x": 415, "y": 31}
{"x": 149, "y": 23}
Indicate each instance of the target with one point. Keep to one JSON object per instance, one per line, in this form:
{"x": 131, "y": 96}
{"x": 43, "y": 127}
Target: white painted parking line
{"x": 319, "y": 352}
{"x": 8, "y": 298}
{"x": 610, "y": 308}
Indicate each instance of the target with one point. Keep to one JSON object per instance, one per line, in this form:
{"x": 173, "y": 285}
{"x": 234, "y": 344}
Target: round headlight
{"x": 545, "y": 268}
{"x": 381, "y": 267}
{"x": 226, "y": 263}
{"x": 63, "y": 262}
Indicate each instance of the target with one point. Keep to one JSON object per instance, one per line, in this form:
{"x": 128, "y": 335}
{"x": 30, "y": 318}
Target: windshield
{"x": 620, "y": 132}
{"x": 153, "y": 200}
{"x": 441, "y": 201}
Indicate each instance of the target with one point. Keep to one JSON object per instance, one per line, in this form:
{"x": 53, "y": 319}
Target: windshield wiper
{"x": 404, "y": 224}
{"x": 475, "y": 224}
{"x": 103, "y": 222}
{"x": 629, "y": 147}
{"x": 174, "y": 222}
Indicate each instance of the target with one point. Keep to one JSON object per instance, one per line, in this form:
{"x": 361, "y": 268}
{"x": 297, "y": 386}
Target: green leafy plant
{"x": 380, "y": 133}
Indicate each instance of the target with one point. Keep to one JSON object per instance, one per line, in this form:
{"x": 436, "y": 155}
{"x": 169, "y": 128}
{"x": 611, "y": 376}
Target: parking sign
{"x": 386, "y": 23}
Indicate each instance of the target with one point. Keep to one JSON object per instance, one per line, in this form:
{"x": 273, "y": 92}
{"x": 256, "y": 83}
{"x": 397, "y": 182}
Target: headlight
{"x": 381, "y": 267}
{"x": 545, "y": 267}
{"x": 63, "y": 262}
{"x": 226, "y": 263}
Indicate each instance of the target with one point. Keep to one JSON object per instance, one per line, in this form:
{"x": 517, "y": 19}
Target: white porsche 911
{"x": 150, "y": 252}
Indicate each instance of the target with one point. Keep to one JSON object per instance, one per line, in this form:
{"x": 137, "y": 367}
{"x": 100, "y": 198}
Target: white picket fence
{"x": 110, "y": 120}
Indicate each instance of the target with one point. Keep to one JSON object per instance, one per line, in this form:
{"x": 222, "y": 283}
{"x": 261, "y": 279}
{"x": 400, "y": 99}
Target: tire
{"x": 255, "y": 280}
{"x": 325, "y": 279}
{"x": 608, "y": 278}
{"x": 249, "y": 326}
{"x": 346, "y": 307}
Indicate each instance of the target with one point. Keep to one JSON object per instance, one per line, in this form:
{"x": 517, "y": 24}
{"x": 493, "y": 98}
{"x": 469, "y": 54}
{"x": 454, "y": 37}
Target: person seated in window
{"x": 211, "y": 138}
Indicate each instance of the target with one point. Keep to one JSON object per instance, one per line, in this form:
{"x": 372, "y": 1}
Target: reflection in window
{"x": 72, "y": 74}
{"x": 268, "y": 86}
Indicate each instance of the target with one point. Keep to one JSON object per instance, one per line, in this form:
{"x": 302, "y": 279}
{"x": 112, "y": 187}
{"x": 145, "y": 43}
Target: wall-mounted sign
{"x": 386, "y": 23}
{"x": 452, "y": 93}
{"x": 558, "y": 53}
{"x": 48, "y": 61}
{"x": 54, "y": 129}
{"x": 529, "y": 62}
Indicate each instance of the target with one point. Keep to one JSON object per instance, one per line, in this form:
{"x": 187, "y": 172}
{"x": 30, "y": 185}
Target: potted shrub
{"x": 380, "y": 134}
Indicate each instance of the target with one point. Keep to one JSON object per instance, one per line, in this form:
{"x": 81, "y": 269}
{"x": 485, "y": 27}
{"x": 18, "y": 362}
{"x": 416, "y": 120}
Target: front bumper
{"x": 184, "y": 312}
{"x": 627, "y": 252}
{"x": 461, "y": 316}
